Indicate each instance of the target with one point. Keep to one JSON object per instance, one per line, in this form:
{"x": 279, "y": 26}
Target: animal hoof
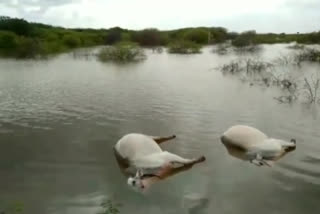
{"x": 293, "y": 141}
{"x": 173, "y": 136}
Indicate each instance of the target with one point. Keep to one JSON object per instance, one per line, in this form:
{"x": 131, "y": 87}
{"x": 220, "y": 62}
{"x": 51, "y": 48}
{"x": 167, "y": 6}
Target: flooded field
{"x": 60, "y": 118}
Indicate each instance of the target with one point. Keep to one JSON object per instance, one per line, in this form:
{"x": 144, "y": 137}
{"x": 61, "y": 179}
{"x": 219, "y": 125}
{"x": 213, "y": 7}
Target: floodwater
{"x": 60, "y": 118}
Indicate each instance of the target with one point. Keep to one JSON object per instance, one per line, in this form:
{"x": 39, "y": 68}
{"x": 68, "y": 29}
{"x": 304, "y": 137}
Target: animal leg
{"x": 259, "y": 161}
{"x": 255, "y": 162}
{"x": 187, "y": 162}
{"x": 160, "y": 140}
{"x": 169, "y": 169}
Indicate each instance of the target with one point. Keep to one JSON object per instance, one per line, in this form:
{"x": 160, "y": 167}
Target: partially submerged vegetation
{"x": 258, "y": 72}
{"x": 22, "y": 39}
{"x": 249, "y": 66}
{"x": 109, "y": 207}
{"x": 296, "y": 46}
{"x": 184, "y": 47}
{"x": 222, "y": 48}
{"x": 122, "y": 52}
{"x": 308, "y": 54}
{"x": 311, "y": 88}
{"x": 245, "y": 39}
{"x": 301, "y": 55}
{"x": 106, "y": 207}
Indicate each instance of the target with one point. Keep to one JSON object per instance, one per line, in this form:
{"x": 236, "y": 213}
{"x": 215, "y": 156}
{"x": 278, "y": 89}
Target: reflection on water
{"x": 60, "y": 118}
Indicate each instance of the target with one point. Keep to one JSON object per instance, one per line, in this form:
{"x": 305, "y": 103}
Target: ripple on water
{"x": 309, "y": 173}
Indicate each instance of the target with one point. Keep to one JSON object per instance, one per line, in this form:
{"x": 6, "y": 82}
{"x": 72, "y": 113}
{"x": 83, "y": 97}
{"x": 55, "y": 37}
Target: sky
{"x": 277, "y": 16}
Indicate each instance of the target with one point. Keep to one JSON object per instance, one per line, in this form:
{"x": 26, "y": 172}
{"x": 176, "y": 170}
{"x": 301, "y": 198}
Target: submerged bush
{"x": 110, "y": 207}
{"x": 184, "y": 47}
{"x": 122, "y": 52}
{"x": 284, "y": 60}
{"x": 246, "y": 38}
{"x": 304, "y": 55}
{"x": 247, "y": 67}
{"x": 28, "y": 48}
{"x": 248, "y": 49}
{"x": 221, "y": 49}
{"x": 311, "y": 88}
{"x": 233, "y": 67}
{"x": 263, "y": 73}
{"x": 296, "y": 47}
{"x": 158, "y": 49}
{"x": 309, "y": 54}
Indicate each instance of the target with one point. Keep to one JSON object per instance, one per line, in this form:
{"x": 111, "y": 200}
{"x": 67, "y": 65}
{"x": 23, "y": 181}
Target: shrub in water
{"x": 28, "y": 48}
{"x": 122, "y": 52}
{"x": 244, "y": 39}
{"x": 184, "y": 47}
{"x": 308, "y": 54}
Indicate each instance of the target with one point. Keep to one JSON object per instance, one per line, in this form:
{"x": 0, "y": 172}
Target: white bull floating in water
{"x": 143, "y": 153}
{"x": 250, "y": 144}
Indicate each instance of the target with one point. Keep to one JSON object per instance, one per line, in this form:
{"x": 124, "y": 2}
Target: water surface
{"x": 60, "y": 118}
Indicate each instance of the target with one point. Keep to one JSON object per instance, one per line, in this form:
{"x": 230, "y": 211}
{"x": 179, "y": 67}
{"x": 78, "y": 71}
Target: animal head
{"x": 136, "y": 182}
{"x": 292, "y": 147}
{"x": 293, "y": 141}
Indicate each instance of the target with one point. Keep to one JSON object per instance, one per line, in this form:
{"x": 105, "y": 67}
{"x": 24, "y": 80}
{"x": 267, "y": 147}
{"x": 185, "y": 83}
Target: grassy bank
{"x": 22, "y": 39}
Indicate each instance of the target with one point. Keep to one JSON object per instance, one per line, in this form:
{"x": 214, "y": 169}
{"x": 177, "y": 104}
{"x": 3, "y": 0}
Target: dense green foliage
{"x": 150, "y": 37}
{"x": 311, "y": 38}
{"x": 17, "y": 26}
{"x": 20, "y": 38}
{"x": 199, "y": 36}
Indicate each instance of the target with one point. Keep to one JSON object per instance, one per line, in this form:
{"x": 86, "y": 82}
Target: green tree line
{"x": 22, "y": 39}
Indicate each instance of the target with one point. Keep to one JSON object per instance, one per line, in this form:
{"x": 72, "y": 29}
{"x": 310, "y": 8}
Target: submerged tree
{"x": 245, "y": 39}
